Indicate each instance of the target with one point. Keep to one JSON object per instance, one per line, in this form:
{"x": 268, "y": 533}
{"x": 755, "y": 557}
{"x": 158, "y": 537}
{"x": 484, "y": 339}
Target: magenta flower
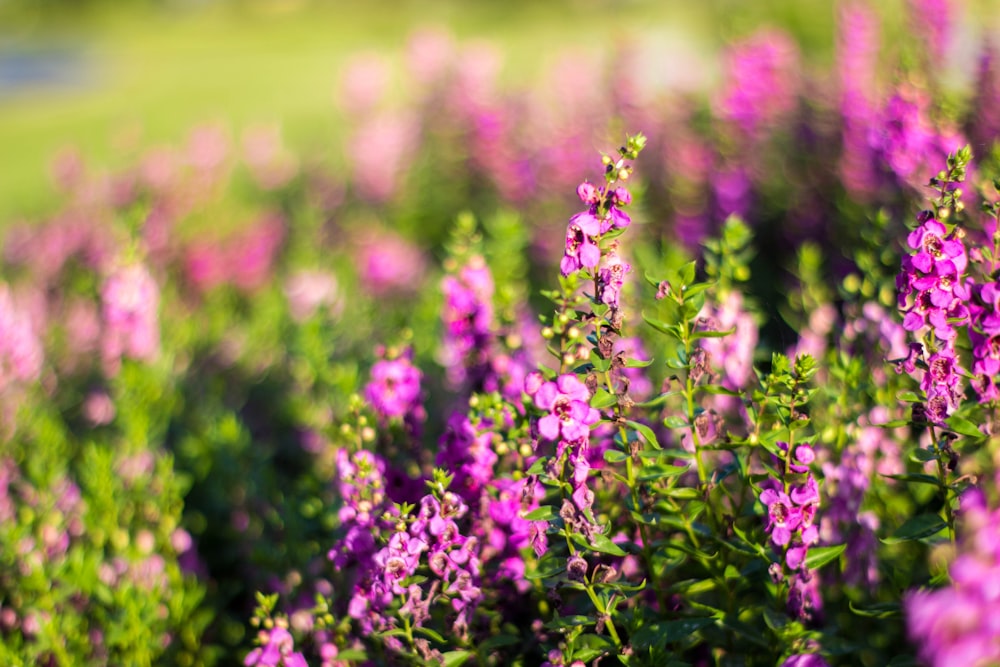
{"x": 278, "y": 650}
{"x": 586, "y": 228}
{"x": 957, "y": 625}
{"x": 580, "y": 252}
{"x": 570, "y": 415}
{"x": 611, "y": 278}
{"x": 929, "y": 239}
{"x": 760, "y": 83}
{"x": 942, "y": 285}
{"x": 399, "y": 560}
{"x": 394, "y": 389}
{"x": 783, "y": 516}
{"x": 805, "y": 660}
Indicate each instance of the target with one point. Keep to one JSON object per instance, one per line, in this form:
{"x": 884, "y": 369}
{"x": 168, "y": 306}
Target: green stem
{"x": 943, "y": 485}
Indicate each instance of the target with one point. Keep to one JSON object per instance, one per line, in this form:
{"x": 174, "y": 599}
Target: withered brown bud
{"x": 576, "y": 568}
{"x": 699, "y": 364}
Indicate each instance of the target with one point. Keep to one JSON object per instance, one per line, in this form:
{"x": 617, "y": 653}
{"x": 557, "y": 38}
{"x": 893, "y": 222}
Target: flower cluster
{"x": 957, "y": 624}
{"x": 611, "y": 278}
{"x": 761, "y": 82}
{"x": 276, "y": 648}
{"x": 362, "y": 489}
{"x": 394, "y": 390}
{"x": 567, "y": 421}
{"x": 468, "y": 323}
{"x": 791, "y": 525}
{"x": 450, "y": 556}
{"x": 21, "y": 352}
{"x": 130, "y": 309}
{"x": 467, "y": 450}
{"x": 586, "y": 228}
{"x": 845, "y": 487}
{"x": 933, "y": 293}
{"x": 606, "y": 493}
{"x": 732, "y": 355}
{"x": 984, "y": 334}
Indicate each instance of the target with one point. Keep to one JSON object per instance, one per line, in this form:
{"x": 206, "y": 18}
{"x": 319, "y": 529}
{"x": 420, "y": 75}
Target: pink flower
{"x": 21, "y": 352}
{"x": 130, "y": 300}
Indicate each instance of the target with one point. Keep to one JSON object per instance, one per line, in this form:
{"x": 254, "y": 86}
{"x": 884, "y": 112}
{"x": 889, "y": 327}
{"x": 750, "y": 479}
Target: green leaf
{"x": 637, "y": 363}
{"x": 455, "y": 658}
{"x": 538, "y": 467}
{"x": 963, "y": 426}
{"x": 600, "y": 364}
{"x": 712, "y": 334}
{"x": 895, "y": 423}
{"x": 673, "y": 421}
{"x": 590, "y": 646}
{"x": 662, "y": 327}
{"x": 615, "y": 456}
{"x": 922, "y": 455}
{"x": 917, "y": 527}
{"x": 880, "y": 610}
{"x": 652, "y": 281}
{"x": 602, "y": 398}
{"x": 680, "y": 493}
{"x": 697, "y": 288}
{"x": 604, "y": 545}
{"x": 775, "y": 620}
{"x": 718, "y": 389}
{"x": 546, "y": 513}
{"x": 687, "y": 273}
{"x": 659, "y": 634}
{"x": 646, "y": 433}
{"x": 657, "y": 472}
{"x": 431, "y": 634}
{"x": 916, "y": 478}
{"x": 817, "y": 557}
{"x": 909, "y": 397}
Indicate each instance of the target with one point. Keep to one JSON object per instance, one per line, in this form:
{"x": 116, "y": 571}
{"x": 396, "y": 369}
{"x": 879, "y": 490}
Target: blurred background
{"x": 106, "y": 77}
{"x": 292, "y": 181}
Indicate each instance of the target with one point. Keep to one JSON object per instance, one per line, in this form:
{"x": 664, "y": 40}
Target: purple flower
{"x": 398, "y": 560}
{"x": 468, "y": 453}
{"x": 468, "y": 324}
{"x": 388, "y": 263}
{"x": 394, "y": 390}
